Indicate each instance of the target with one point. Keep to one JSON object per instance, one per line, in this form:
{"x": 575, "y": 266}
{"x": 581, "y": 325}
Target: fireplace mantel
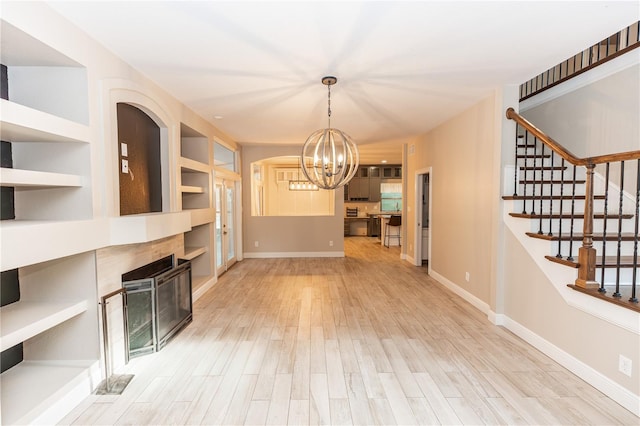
{"x": 143, "y": 228}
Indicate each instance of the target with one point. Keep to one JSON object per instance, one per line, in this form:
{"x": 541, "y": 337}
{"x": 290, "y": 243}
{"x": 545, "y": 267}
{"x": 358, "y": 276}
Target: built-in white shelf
{"x": 186, "y": 189}
{"x": 35, "y": 179}
{"x": 24, "y": 319}
{"x": 39, "y": 392}
{"x": 202, "y": 216}
{"x": 191, "y": 253}
{"x": 193, "y": 165}
{"x": 26, "y": 242}
{"x": 19, "y": 123}
{"x": 142, "y": 228}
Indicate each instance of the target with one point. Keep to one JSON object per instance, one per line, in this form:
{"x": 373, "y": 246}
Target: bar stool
{"x": 395, "y": 221}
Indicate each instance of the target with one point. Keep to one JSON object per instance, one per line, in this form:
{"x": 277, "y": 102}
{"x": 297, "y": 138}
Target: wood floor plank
{"x": 397, "y": 399}
{"x": 340, "y": 411}
{"x": 335, "y": 372}
{"x": 368, "y": 371}
{"x": 365, "y": 339}
{"x": 319, "y": 411}
{"x": 298, "y": 412}
{"x": 241, "y": 400}
{"x": 318, "y": 360}
{"x": 257, "y": 413}
{"x": 279, "y": 405}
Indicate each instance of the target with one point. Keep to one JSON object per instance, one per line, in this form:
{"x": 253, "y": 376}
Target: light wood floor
{"x": 366, "y": 339}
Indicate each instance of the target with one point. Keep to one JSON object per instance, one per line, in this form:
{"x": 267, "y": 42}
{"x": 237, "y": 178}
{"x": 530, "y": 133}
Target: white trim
{"x": 613, "y": 390}
{"x": 596, "y": 73}
{"x": 203, "y": 288}
{"x": 418, "y": 190}
{"x": 496, "y": 319}
{"x": 289, "y": 254}
{"x": 479, "y": 304}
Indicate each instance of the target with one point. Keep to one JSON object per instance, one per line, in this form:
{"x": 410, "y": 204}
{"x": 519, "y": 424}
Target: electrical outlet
{"x": 256, "y": 244}
{"x": 625, "y": 365}
{"x": 466, "y": 276}
{"x": 125, "y": 166}
{"x": 330, "y": 243}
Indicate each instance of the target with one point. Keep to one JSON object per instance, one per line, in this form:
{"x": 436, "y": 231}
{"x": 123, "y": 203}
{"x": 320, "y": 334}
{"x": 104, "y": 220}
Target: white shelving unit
{"x": 51, "y": 241}
{"x": 31, "y": 179}
{"x": 25, "y": 319}
{"x": 197, "y": 190}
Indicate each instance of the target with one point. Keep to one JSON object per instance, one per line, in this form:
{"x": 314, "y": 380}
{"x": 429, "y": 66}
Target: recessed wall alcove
{"x": 139, "y": 161}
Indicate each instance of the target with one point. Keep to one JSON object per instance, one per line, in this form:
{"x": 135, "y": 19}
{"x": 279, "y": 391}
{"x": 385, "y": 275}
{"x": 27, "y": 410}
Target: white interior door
{"x": 225, "y": 225}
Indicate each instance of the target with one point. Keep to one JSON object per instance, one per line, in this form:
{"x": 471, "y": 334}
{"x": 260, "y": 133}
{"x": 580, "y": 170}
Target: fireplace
{"x": 157, "y": 304}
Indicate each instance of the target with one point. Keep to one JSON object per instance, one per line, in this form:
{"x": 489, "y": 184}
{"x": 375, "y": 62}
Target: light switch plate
{"x": 124, "y": 150}
{"x": 125, "y": 166}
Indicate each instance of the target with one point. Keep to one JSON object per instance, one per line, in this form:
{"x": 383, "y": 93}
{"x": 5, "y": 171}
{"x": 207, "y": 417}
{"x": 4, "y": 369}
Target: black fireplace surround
{"x": 157, "y": 304}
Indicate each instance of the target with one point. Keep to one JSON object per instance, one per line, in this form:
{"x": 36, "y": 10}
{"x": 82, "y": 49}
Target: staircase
{"x": 580, "y": 206}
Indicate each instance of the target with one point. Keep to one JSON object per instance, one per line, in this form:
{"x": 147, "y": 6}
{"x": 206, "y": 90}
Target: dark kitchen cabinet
{"x": 375, "y": 180}
{"x": 392, "y": 172}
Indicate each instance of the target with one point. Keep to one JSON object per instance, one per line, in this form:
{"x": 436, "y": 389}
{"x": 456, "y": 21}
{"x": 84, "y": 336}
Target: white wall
{"x": 467, "y": 155}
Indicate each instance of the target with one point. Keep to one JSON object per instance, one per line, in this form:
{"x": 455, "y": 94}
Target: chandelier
{"x": 329, "y": 156}
{"x": 301, "y": 185}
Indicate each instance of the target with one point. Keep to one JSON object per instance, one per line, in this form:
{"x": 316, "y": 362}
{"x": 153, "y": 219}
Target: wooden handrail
{"x": 586, "y": 253}
{"x": 565, "y": 153}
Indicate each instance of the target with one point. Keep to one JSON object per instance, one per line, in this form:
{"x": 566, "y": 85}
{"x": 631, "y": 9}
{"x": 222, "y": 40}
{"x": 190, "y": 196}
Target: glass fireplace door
{"x": 141, "y": 327}
{"x": 174, "y": 302}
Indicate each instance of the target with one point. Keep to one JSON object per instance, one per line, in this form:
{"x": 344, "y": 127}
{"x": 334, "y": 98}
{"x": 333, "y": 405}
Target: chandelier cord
{"x": 329, "y": 105}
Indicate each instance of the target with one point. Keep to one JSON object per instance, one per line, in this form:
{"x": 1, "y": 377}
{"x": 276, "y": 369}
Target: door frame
{"x": 419, "y": 189}
{"x": 229, "y": 179}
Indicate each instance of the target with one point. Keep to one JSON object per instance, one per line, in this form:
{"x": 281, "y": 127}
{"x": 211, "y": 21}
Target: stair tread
{"x": 533, "y": 156}
{"x": 543, "y": 168}
{"x": 547, "y": 197}
{"x": 555, "y": 182}
{"x": 608, "y": 296}
{"x": 609, "y": 261}
{"x": 567, "y": 216}
{"x": 626, "y": 236}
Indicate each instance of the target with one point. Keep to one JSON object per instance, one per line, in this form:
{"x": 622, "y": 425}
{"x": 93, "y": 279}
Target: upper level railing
{"x": 609, "y": 48}
{"x": 588, "y": 260}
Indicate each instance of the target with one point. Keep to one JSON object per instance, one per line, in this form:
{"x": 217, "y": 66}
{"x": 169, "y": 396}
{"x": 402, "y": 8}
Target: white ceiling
{"x": 402, "y": 67}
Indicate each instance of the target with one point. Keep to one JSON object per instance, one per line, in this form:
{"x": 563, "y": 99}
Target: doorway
{"x": 225, "y": 201}
{"x": 422, "y": 237}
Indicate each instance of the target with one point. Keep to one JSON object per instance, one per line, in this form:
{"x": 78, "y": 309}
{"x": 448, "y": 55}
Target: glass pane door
{"x": 225, "y": 225}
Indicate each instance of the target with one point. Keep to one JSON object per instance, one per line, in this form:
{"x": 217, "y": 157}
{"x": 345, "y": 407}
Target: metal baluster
{"x": 533, "y": 182}
{"x": 517, "y": 167}
{"x": 550, "y": 192}
{"x": 573, "y": 211}
{"x": 634, "y": 282}
{"x": 604, "y": 229}
{"x": 559, "y": 255}
{"x": 524, "y": 174}
{"x": 541, "y": 186}
{"x": 617, "y": 292}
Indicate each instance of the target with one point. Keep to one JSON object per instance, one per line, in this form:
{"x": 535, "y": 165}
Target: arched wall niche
{"x": 109, "y": 161}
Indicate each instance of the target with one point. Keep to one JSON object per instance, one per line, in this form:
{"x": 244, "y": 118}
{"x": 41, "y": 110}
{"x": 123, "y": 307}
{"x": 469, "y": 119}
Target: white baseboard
{"x": 479, "y": 304}
{"x": 286, "y": 254}
{"x": 203, "y": 288}
{"x": 496, "y": 319}
{"x": 613, "y": 390}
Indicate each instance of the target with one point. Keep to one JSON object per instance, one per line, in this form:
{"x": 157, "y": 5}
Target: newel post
{"x": 587, "y": 254}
